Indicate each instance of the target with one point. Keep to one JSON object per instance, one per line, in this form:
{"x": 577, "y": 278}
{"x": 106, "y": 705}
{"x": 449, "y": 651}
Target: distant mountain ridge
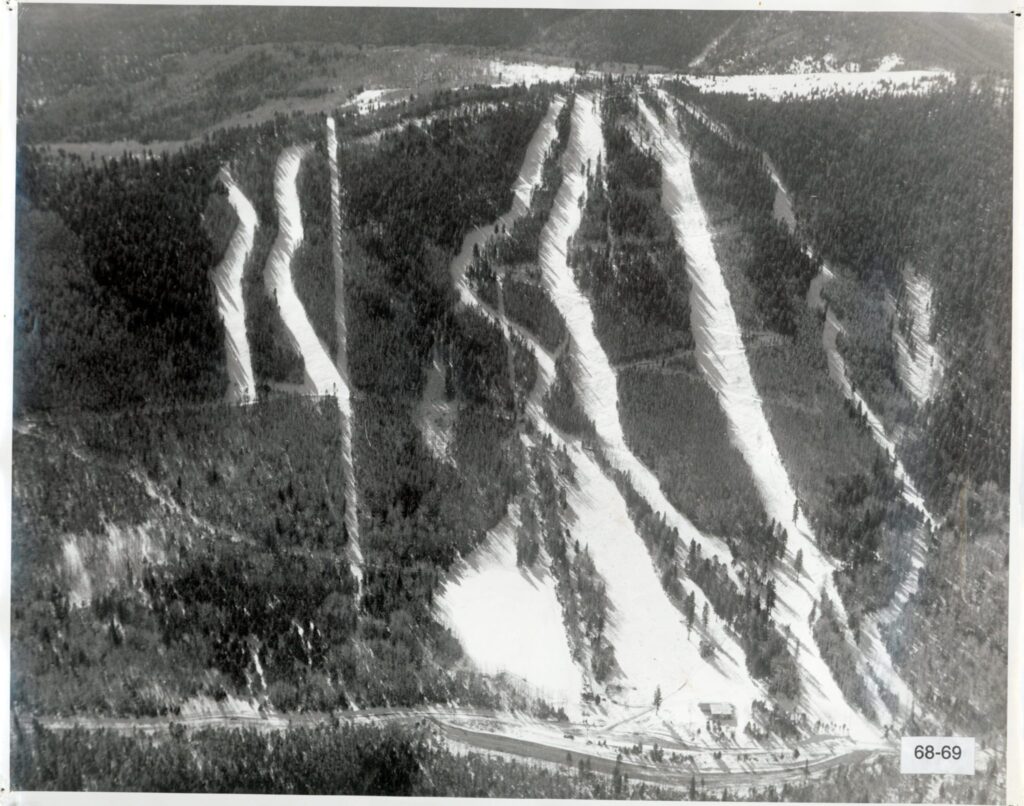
{"x": 750, "y": 42}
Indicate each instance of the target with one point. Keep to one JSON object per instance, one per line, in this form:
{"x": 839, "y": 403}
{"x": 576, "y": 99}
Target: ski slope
{"x": 227, "y": 282}
{"x": 321, "y": 375}
{"x": 595, "y": 378}
{"x": 341, "y": 326}
{"x": 722, "y": 360}
{"x": 647, "y": 631}
{"x": 784, "y": 212}
{"x": 837, "y": 370}
{"x": 508, "y": 619}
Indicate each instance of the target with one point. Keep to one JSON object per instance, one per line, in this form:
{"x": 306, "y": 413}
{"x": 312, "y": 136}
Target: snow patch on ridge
{"x": 775, "y": 86}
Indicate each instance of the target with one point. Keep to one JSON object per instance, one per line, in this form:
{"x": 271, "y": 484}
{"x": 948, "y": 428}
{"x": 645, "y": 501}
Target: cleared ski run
{"x": 647, "y": 631}
{"x": 322, "y": 377}
{"x": 227, "y": 282}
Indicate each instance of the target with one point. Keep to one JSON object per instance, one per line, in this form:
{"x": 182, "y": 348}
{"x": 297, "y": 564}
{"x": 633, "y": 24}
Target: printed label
{"x": 937, "y": 755}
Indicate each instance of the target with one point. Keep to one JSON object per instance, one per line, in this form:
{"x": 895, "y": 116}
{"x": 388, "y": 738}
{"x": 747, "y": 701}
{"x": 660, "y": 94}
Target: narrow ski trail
{"x": 322, "y": 376}
{"x": 227, "y": 281}
{"x": 341, "y": 360}
{"x": 646, "y": 630}
{"x": 722, "y": 359}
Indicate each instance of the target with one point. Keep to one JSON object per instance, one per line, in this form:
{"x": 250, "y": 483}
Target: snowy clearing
{"x": 776, "y": 86}
{"x": 227, "y": 281}
{"x": 371, "y": 100}
{"x": 505, "y": 74}
{"x": 508, "y": 619}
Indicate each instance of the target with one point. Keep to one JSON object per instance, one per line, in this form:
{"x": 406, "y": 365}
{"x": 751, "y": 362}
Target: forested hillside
{"x": 409, "y": 200}
{"x": 881, "y": 183}
{"x": 781, "y": 41}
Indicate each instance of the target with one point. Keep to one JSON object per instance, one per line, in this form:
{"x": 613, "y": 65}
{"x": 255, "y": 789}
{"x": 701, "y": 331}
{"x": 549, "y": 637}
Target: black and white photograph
{"x": 548, "y": 402}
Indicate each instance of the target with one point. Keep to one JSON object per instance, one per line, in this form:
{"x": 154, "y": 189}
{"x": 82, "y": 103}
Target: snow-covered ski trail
{"x": 489, "y": 602}
{"x": 227, "y": 281}
{"x": 784, "y": 212}
{"x": 595, "y": 377}
{"x": 508, "y": 618}
{"x": 649, "y": 633}
{"x": 341, "y": 359}
{"x": 646, "y": 630}
{"x": 836, "y": 363}
{"x": 873, "y": 647}
{"x": 722, "y": 359}
{"x": 322, "y": 376}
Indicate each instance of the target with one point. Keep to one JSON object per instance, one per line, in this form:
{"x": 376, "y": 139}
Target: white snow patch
{"x": 505, "y": 74}
{"x": 227, "y": 281}
{"x": 918, "y": 362}
{"x": 889, "y": 63}
{"x": 435, "y": 416}
{"x": 508, "y": 618}
{"x": 95, "y": 563}
{"x": 776, "y": 86}
{"x": 371, "y": 100}
{"x": 77, "y": 582}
